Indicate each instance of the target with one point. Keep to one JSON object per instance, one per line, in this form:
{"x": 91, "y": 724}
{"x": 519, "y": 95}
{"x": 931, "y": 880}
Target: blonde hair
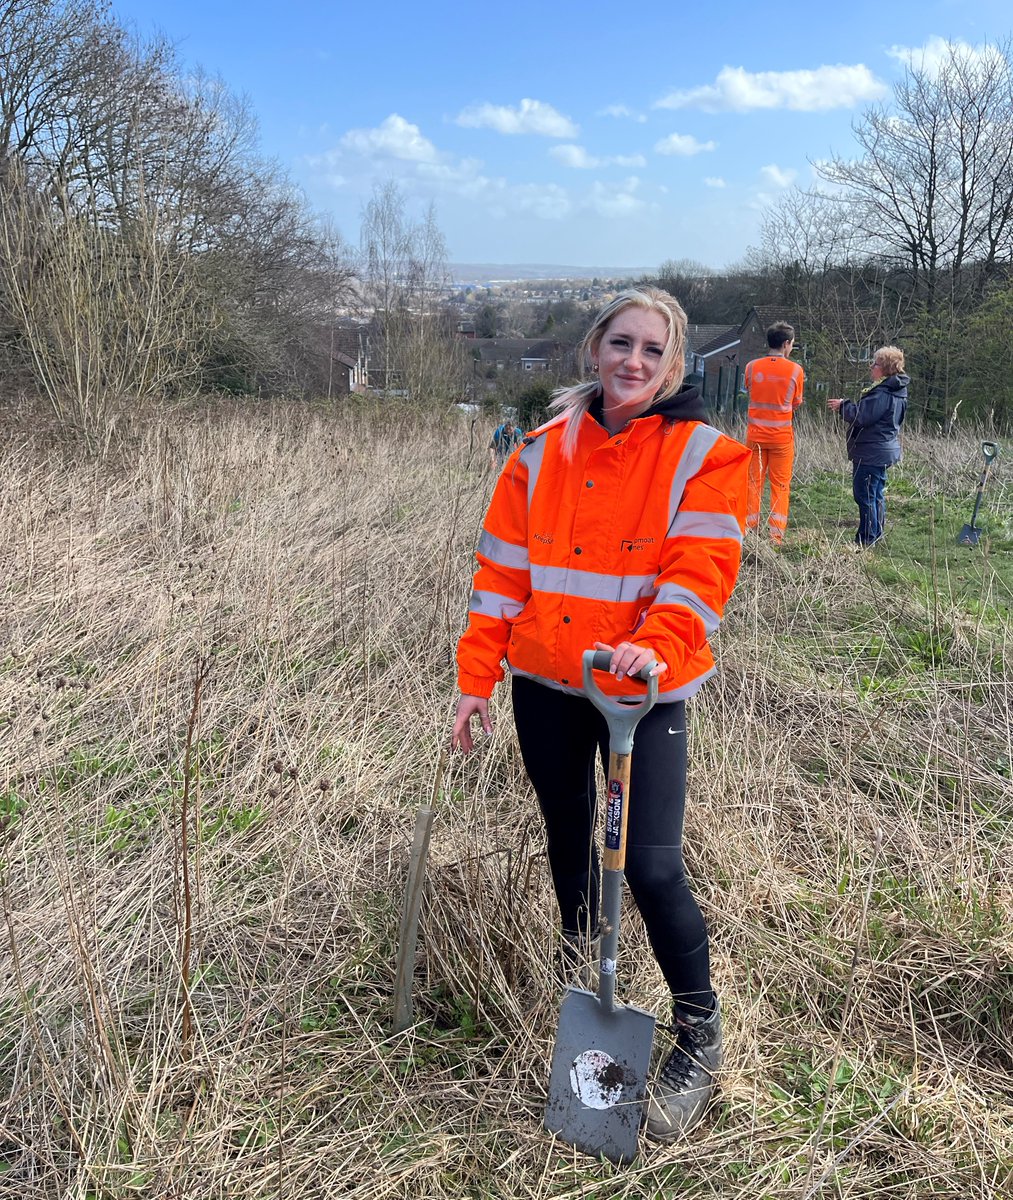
{"x": 889, "y": 359}
{"x": 575, "y": 401}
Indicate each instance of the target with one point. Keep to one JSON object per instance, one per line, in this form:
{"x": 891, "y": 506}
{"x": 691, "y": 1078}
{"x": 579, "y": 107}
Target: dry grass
{"x": 849, "y": 838}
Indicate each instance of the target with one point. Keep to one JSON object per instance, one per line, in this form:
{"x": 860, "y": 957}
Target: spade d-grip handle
{"x": 622, "y": 717}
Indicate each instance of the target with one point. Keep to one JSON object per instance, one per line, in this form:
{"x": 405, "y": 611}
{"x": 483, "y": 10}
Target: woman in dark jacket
{"x": 874, "y": 422}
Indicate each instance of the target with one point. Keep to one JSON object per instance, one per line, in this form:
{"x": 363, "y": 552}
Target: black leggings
{"x": 558, "y": 735}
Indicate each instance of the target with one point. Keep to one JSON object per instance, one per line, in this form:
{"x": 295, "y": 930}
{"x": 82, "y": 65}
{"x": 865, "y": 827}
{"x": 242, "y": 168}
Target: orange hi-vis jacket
{"x": 774, "y": 384}
{"x": 638, "y": 538}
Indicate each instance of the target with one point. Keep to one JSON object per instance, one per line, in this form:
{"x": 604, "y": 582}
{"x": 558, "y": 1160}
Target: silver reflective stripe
{"x": 673, "y": 593}
{"x": 490, "y": 604}
{"x": 697, "y": 448}
{"x": 768, "y": 424}
{"x": 503, "y": 554}
{"x": 531, "y": 456}
{"x": 590, "y": 585}
{"x": 785, "y": 407}
{"x": 705, "y": 525}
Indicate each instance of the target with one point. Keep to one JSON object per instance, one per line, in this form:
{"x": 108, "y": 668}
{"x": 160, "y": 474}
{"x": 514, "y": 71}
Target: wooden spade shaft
{"x": 613, "y": 869}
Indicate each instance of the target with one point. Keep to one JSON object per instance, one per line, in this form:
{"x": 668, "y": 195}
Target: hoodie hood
{"x": 686, "y": 405}
{"x": 894, "y": 383}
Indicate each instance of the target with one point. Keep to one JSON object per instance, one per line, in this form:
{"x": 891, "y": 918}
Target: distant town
{"x": 471, "y": 286}
{"x": 507, "y": 273}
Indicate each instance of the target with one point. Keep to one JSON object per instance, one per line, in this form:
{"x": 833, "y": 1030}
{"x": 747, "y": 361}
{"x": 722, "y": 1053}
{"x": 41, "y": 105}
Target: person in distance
{"x": 774, "y": 385}
{"x": 874, "y": 422}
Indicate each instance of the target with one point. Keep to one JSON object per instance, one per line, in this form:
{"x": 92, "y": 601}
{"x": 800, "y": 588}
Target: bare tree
{"x": 904, "y": 237}
{"x": 104, "y": 318}
{"x": 931, "y": 190}
{"x": 384, "y": 254}
{"x": 404, "y": 278}
{"x": 279, "y": 276}
{"x": 44, "y": 58}
{"x": 108, "y": 135}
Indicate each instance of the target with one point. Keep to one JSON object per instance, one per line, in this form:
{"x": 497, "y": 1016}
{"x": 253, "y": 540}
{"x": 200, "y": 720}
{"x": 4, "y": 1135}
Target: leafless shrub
{"x": 107, "y": 317}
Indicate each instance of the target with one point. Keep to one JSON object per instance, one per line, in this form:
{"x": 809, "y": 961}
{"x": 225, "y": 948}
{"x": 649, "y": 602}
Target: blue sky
{"x": 613, "y": 135}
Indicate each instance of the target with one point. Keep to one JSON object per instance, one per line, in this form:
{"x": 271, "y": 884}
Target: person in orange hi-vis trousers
{"x": 774, "y": 384}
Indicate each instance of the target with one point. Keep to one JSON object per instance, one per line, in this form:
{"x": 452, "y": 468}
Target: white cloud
{"x": 938, "y": 51}
{"x": 393, "y": 138}
{"x": 780, "y": 177}
{"x": 682, "y": 143}
{"x": 738, "y": 90}
{"x": 714, "y": 181}
{"x": 397, "y": 148}
{"x": 547, "y": 200}
{"x": 577, "y": 157}
{"x": 574, "y": 156}
{"x": 465, "y": 178}
{"x": 532, "y": 116}
{"x": 615, "y": 199}
{"x": 621, "y": 111}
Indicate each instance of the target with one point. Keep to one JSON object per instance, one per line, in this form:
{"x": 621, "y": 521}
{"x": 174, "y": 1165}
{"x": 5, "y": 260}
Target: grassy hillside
{"x": 226, "y": 676}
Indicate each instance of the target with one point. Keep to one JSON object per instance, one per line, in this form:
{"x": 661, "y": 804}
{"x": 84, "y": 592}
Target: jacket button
{"x": 564, "y": 681}
{"x": 566, "y": 620}
{"x": 577, "y": 550}
{"x": 590, "y": 483}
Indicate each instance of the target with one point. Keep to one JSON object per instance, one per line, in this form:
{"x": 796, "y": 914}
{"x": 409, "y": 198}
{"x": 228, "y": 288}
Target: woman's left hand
{"x": 629, "y": 659}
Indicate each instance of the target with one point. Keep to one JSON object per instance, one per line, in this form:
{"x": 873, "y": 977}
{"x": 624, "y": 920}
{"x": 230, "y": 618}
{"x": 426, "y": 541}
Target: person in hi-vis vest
{"x": 774, "y": 385}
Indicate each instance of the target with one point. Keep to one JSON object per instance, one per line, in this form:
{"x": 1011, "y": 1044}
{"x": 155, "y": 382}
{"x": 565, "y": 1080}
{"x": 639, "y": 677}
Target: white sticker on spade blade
{"x": 597, "y": 1079}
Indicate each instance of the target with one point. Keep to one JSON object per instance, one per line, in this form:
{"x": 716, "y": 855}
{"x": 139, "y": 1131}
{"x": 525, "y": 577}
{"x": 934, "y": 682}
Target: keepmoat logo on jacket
{"x": 647, "y": 537}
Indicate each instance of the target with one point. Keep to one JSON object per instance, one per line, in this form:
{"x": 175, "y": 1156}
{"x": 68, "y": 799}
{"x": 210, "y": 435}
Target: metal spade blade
{"x": 598, "y": 1079}
{"x": 970, "y": 534}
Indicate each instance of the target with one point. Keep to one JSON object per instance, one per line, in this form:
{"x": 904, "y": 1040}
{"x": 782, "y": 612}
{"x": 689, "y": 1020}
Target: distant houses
{"x": 515, "y": 354}
{"x": 716, "y": 356}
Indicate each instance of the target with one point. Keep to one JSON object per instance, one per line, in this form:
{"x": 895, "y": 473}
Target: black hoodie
{"x": 686, "y": 405}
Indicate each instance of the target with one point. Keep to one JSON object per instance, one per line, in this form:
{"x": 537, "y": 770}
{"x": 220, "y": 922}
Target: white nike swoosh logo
{"x": 671, "y": 730}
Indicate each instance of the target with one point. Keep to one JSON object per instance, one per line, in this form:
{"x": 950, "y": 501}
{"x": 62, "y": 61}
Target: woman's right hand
{"x": 468, "y": 707}
{"x": 835, "y": 405}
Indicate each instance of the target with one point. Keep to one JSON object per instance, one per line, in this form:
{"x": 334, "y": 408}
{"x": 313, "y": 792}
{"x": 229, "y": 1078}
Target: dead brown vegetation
{"x": 848, "y": 835}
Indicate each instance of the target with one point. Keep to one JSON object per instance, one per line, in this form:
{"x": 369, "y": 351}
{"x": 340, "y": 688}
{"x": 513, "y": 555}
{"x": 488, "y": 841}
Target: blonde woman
{"x": 618, "y": 526}
{"x": 874, "y": 422}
